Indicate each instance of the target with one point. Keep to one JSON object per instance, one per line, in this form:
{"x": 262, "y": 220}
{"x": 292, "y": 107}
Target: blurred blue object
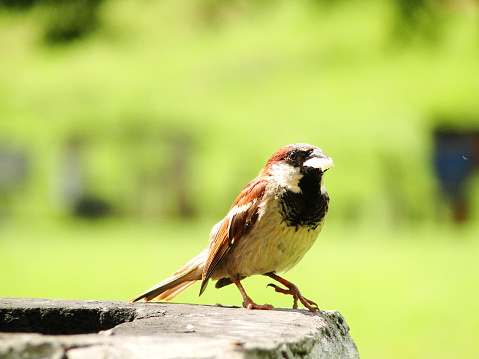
{"x": 456, "y": 158}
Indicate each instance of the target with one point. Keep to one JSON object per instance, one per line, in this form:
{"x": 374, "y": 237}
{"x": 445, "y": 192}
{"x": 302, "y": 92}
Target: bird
{"x": 270, "y": 226}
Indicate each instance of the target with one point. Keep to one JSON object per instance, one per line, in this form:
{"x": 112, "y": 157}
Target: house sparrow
{"x": 268, "y": 229}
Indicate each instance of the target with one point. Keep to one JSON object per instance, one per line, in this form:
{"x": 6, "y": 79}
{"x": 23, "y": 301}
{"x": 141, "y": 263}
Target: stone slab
{"x": 114, "y": 329}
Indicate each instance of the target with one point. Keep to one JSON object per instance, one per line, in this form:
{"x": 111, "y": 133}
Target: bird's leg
{"x": 247, "y": 301}
{"x": 292, "y": 290}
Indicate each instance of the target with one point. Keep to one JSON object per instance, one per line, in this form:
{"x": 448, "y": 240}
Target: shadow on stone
{"x": 62, "y": 320}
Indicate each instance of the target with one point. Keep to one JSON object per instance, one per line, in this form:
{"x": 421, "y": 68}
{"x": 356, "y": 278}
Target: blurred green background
{"x": 127, "y": 128}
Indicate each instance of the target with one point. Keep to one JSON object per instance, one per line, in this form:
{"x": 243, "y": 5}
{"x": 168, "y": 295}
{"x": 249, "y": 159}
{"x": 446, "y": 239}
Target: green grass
{"x": 404, "y": 293}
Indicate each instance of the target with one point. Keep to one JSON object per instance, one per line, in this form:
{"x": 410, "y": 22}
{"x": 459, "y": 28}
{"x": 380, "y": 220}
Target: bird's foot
{"x": 247, "y": 301}
{"x": 294, "y": 291}
{"x": 249, "y": 304}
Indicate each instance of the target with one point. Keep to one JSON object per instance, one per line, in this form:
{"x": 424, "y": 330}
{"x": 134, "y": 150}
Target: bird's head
{"x": 291, "y": 163}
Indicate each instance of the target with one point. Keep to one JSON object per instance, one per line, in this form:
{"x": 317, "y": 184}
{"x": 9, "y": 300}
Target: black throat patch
{"x": 306, "y": 208}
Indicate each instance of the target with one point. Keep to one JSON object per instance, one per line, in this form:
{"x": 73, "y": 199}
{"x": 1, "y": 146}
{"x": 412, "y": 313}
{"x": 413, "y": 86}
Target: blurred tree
{"x": 66, "y": 20}
{"x": 14, "y": 171}
{"x": 71, "y": 185}
{"x": 416, "y": 18}
{"x": 19, "y": 4}
{"x": 71, "y": 19}
{"x": 160, "y": 161}
{"x": 412, "y": 18}
{"x": 215, "y": 12}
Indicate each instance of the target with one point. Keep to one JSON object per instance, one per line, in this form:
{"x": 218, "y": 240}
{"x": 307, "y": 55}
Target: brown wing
{"x": 239, "y": 221}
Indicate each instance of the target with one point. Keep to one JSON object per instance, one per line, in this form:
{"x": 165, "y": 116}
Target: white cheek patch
{"x": 287, "y": 176}
{"x": 318, "y": 162}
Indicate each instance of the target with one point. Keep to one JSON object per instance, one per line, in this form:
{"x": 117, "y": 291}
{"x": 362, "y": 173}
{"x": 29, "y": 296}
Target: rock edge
{"x": 166, "y": 330}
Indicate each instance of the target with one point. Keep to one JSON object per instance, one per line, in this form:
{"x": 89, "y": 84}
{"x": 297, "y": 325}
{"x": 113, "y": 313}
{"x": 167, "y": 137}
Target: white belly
{"x": 270, "y": 246}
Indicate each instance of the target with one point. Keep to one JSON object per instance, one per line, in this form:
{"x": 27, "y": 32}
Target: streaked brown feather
{"x": 234, "y": 226}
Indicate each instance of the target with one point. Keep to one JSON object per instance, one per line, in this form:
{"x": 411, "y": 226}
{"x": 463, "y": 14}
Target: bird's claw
{"x": 309, "y": 304}
{"x": 251, "y": 305}
{"x": 278, "y": 289}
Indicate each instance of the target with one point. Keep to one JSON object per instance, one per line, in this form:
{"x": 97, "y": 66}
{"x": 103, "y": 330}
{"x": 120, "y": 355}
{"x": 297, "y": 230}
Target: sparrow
{"x": 271, "y": 225}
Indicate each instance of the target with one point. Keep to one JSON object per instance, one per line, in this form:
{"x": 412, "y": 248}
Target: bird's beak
{"x": 319, "y": 160}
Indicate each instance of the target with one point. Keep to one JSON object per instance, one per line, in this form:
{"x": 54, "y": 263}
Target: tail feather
{"x": 177, "y": 282}
{"x": 169, "y": 294}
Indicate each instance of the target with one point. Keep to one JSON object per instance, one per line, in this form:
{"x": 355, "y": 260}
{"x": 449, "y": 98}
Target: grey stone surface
{"x": 74, "y": 329}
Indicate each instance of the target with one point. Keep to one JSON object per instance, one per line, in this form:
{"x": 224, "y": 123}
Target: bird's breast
{"x": 272, "y": 245}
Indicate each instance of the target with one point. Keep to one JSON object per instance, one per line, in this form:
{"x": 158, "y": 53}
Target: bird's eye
{"x": 292, "y": 155}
